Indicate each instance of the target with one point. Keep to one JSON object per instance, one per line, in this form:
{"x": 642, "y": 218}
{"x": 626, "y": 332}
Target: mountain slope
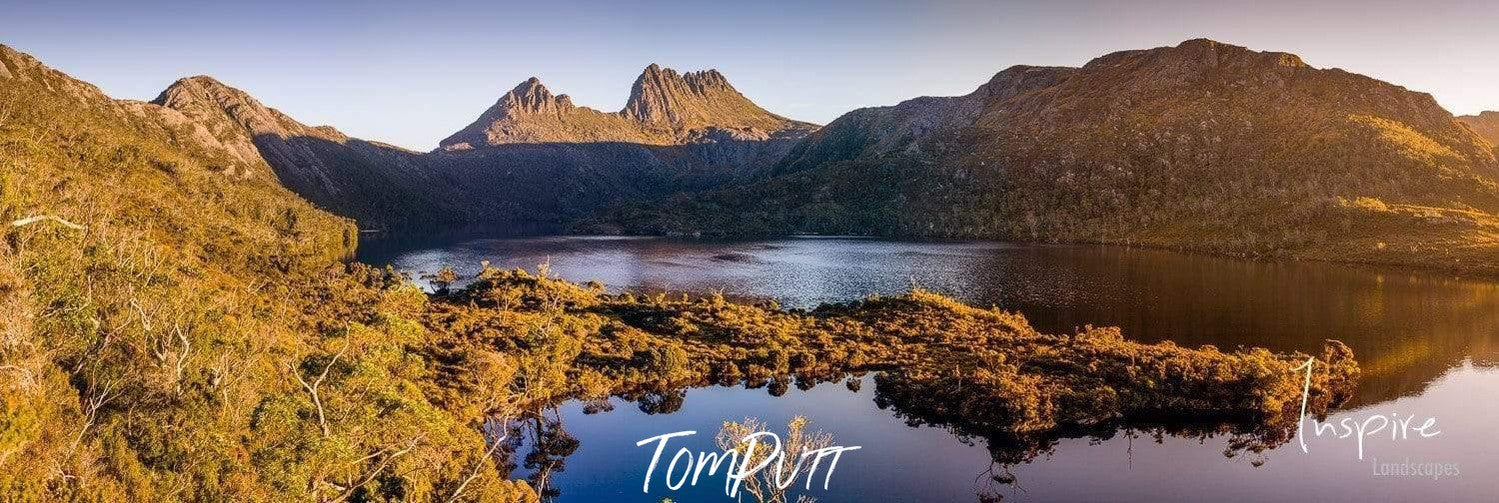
{"x": 160, "y": 296}
{"x": 909, "y": 127}
{"x": 665, "y": 108}
{"x": 1203, "y": 146}
{"x": 377, "y": 184}
{"x": 1485, "y": 124}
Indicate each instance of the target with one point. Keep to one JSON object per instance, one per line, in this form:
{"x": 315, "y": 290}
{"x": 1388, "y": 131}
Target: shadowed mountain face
{"x": 375, "y": 183}
{"x": 532, "y": 160}
{"x": 1203, "y": 146}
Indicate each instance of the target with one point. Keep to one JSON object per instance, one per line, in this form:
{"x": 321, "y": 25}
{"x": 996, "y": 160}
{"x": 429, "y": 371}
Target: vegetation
{"x": 178, "y": 326}
{"x": 980, "y": 372}
{"x": 772, "y": 484}
{"x": 170, "y": 334}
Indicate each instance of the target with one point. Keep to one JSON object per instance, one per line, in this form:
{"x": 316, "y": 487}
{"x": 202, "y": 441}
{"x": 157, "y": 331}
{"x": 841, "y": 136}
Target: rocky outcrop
{"x": 22, "y": 67}
{"x": 530, "y": 113}
{"x": 665, "y": 108}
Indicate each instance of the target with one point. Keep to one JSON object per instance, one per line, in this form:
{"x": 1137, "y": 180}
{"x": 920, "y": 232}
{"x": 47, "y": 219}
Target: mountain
{"x": 536, "y": 157}
{"x": 665, "y": 108}
{"x": 1485, "y": 124}
{"x": 375, "y": 183}
{"x": 1202, "y": 146}
{"x": 904, "y": 129}
{"x": 533, "y": 160}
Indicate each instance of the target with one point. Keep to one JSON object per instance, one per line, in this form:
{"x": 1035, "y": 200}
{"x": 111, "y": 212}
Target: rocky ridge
{"x": 376, "y": 183}
{"x": 664, "y": 108}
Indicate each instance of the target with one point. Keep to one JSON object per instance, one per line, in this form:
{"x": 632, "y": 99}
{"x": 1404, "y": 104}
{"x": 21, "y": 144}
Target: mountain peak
{"x": 18, "y": 65}
{"x": 207, "y": 80}
{"x": 665, "y": 107}
{"x": 187, "y": 91}
{"x": 663, "y": 96}
{"x": 207, "y": 100}
{"x": 201, "y": 87}
{"x": 1199, "y": 55}
{"x": 532, "y": 97}
{"x": 530, "y": 85}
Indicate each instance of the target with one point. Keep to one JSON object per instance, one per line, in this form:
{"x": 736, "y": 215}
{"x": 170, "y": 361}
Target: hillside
{"x": 161, "y": 290}
{"x": 1202, "y": 146}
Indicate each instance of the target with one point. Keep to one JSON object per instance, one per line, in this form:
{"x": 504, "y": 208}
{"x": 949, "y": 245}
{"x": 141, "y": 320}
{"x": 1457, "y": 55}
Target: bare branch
{"x": 375, "y": 472}
{"x": 314, "y": 387}
{"x": 478, "y": 465}
{"x": 39, "y": 218}
{"x": 182, "y": 354}
{"x": 92, "y": 403}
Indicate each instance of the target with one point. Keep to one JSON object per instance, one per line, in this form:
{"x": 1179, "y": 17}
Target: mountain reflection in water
{"x": 1426, "y": 343}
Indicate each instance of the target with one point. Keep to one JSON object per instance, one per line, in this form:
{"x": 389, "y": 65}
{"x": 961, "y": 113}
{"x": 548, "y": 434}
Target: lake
{"x": 1426, "y": 342}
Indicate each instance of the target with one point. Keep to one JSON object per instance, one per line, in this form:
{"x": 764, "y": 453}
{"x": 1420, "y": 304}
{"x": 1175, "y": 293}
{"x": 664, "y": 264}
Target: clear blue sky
{"x": 412, "y": 73}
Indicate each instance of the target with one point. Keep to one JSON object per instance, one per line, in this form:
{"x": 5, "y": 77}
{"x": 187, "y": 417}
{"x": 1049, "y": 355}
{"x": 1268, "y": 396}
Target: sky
{"x": 411, "y": 73}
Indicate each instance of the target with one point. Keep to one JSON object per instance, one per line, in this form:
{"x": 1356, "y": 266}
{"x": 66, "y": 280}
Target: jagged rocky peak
{"x": 661, "y": 95}
{"x": 202, "y": 90}
{"x": 533, "y": 97}
{"x": 665, "y": 108}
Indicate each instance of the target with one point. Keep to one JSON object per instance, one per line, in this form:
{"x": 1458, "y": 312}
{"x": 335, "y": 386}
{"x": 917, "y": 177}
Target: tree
{"x": 444, "y": 278}
{"x": 762, "y": 485}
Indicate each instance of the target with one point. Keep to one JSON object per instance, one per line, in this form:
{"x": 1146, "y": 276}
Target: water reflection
{"x": 908, "y": 455}
{"x": 1426, "y": 343}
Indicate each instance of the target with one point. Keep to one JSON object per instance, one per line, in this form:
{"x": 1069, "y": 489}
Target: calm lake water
{"x": 1428, "y": 345}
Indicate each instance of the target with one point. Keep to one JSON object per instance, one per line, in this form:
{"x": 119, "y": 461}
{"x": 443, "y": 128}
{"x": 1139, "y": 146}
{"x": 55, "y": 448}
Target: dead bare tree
{"x": 313, "y": 388}
{"x": 174, "y": 358}
{"x": 95, "y": 398}
{"x": 479, "y": 464}
{"x": 222, "y": 377}
{"x": 388, "y": 457}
